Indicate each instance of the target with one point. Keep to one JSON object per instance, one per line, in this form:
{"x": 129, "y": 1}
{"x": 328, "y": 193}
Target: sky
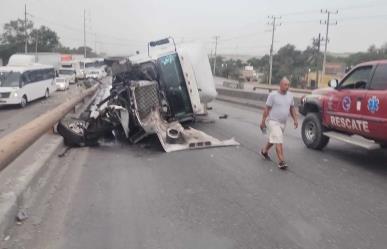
{"x": 120, "y": 27}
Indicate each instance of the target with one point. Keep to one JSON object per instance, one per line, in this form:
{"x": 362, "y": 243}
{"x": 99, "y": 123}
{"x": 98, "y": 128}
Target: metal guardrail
{"x": 254, "y": 86}
{"x": 233, "y": 84}
{"x": 16, "y": 142}
{"x": 273, "y": 88}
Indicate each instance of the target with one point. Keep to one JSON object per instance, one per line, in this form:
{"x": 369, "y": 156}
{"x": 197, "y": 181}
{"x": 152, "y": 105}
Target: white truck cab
{"x": 68, "y": 73}
{"x": 185, "y": 75}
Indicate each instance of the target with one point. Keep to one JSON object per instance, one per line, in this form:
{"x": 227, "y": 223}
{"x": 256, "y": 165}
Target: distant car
{"x": 62, "y": 83}
{"x": 68, "y": 73}
{"x": 96, "y": 74}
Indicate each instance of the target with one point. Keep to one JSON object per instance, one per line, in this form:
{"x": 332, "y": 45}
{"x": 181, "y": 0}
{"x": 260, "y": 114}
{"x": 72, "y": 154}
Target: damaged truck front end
{"x": 150, "y": 95}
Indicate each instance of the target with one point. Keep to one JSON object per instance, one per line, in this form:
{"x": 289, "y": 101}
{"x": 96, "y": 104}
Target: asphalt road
{"x": 136, "y": 196}
{"x": 12, "y": 117}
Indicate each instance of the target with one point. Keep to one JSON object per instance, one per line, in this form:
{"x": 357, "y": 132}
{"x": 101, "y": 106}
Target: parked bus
{"x": 22, "y": 84}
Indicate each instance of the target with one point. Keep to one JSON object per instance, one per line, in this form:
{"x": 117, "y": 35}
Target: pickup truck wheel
{"x": 312, "y": 132}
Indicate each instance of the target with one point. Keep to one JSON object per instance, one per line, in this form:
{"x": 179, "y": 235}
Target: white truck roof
{"x": 52, "y": 59}
{"x": 22, "y": 69}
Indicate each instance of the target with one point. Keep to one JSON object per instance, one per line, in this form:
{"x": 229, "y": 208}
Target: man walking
{"x": 279, "y": 105}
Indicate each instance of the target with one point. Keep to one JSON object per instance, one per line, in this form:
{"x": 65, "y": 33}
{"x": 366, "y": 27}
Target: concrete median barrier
{"x": 16, "y": 142}
{"x": 243, "y": 97}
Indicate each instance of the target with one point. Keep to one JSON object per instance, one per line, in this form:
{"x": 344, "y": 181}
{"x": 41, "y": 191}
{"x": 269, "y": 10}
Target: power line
{"x": 351, "y": 18}
{"x": 79, "y": 30}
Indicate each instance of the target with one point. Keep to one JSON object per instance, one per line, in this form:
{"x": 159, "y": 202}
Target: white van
{"x": 21, "y": 84}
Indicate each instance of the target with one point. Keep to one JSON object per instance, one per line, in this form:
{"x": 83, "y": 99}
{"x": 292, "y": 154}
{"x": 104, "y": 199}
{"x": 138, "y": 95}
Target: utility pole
{"x": 84, "y": 33}
{"x": 274, "y": 25}
{"x": 95, "y": 42}
{"x": 216, "y": 47}
{"x": 36, "y": 46}
{"x": 25, "y": 29}
{"x": 328, "y": 23}
{"x": 317, "y": 41}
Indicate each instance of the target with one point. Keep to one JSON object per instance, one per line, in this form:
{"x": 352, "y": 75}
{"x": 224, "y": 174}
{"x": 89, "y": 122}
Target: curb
{"x": 23, "y": 175}
{"x": 21, "y": 180}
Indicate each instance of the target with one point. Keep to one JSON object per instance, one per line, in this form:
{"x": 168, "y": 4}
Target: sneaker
{"x": 282, "y": 165}
{"x": 265, "y": 155}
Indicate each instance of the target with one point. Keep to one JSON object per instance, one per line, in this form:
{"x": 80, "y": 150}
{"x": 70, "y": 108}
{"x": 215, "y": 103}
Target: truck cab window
{"x": 358, "y": 79}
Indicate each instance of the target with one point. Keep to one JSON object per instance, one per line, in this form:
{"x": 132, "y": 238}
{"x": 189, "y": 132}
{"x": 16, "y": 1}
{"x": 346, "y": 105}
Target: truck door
{"x": 375, "y": 104}
{"x": 345, "y": 104}
{"x": 173, "y": 83}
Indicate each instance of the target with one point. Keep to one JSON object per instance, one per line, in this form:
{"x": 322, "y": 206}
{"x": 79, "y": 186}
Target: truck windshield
{"x": 89, "y": 64}
{"x": 173, "y": 82}
{"x": 66, "y": 72}
{"x": 9, "y": 79}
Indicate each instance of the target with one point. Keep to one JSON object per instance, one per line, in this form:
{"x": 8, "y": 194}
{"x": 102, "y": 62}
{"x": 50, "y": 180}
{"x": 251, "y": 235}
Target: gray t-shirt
{"x": 280, "y": 106}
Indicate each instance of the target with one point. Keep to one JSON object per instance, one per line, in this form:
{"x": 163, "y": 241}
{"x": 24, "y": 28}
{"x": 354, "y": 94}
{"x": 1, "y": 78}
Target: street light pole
{"x": 84, "y": 33}
{"x": 216, "y": 47}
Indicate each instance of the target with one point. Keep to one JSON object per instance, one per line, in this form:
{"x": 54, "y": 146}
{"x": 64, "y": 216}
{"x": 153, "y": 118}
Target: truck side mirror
{"x": 333, "y": 83}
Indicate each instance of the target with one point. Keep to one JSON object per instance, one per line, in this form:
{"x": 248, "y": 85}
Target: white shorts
{"x": 276, "y": 131}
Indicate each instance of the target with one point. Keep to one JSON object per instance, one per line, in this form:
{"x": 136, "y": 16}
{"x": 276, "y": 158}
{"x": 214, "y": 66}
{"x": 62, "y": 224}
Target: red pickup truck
{"x": 353, "y": 110}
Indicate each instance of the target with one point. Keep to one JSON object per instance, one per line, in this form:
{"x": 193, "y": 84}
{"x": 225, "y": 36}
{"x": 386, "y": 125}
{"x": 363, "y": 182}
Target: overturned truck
{"x": 152, "y": 94}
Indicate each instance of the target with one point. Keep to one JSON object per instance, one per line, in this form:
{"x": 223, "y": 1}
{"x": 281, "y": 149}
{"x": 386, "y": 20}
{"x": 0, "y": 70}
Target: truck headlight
{"x": 15, "y": 94}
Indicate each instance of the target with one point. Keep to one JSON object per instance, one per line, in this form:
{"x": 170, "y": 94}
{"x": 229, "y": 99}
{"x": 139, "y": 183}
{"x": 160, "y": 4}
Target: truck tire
{"x": 312, "y": 132}
{"x": 23, "y": 101}
{"x": 47, "y": 94}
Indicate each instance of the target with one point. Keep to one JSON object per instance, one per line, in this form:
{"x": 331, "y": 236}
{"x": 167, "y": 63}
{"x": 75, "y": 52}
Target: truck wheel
{"x": 312, "y": 132}
{"x": 23, "y": 101}
{"x": 46, "y": 94}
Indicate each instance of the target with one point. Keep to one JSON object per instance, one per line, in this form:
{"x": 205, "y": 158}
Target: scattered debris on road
{"x": 64, "y": 153}
{"x": 21, "y": 215}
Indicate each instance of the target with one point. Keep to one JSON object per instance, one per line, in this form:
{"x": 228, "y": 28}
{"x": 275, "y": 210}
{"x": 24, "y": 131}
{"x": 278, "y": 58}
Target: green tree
{"x": 47, "y": 40}
{"x": 218, "y": 67}
{"x": 13, "y": 38}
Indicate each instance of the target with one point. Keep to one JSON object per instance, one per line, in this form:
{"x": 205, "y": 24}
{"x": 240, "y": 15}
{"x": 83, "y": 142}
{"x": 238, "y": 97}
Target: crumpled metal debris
{"x": 136, "y": 107}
